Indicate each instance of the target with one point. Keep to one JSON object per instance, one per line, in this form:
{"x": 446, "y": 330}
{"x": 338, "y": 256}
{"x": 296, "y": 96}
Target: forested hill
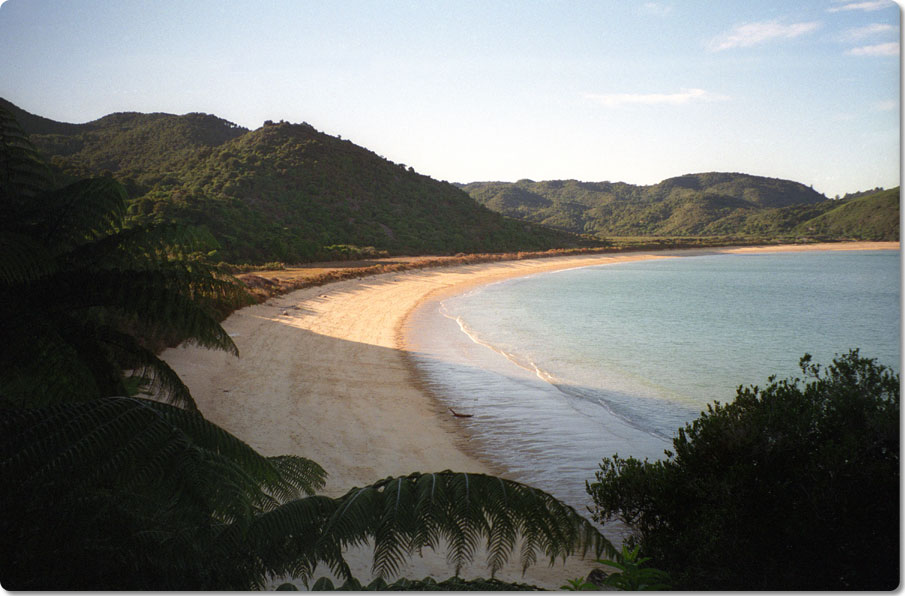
{"x": 283, "y": 192}
{"x": 708, "y": 204}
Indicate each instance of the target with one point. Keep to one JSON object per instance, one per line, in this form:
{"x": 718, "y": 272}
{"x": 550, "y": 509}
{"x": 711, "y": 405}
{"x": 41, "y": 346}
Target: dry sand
{"x": 323, "y": 373}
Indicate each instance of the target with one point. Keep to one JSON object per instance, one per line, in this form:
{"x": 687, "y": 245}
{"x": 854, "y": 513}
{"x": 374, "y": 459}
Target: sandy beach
{"x": 323, "y": 373}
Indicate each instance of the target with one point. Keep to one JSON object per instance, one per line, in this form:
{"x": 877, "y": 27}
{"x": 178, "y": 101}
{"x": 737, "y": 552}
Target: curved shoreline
{"x": 460, "y": 375}
{"x": 324, "y": 373}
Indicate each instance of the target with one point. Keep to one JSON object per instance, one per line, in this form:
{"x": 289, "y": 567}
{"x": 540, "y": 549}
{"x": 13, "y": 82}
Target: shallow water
{"x": 562, "y": 369}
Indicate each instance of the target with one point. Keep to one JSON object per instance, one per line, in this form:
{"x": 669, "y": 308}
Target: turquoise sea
{"x": 561, "y": 369}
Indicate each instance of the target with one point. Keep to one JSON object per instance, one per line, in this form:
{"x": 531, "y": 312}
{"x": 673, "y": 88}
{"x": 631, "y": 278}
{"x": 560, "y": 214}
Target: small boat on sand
{"x": 457, "y": 415}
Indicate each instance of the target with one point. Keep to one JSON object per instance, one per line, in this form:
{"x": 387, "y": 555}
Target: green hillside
{"x": 871, "y": 217}
{"x": 282, "y": 192}
{"x": 708, "y": 204}
{"x": 286, "y": 192}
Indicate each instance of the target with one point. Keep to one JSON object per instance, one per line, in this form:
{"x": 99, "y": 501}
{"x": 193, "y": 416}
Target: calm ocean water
{"x": 562, "y": 369}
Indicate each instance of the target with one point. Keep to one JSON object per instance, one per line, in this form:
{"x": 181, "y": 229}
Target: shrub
{"x": 793, "y": 487}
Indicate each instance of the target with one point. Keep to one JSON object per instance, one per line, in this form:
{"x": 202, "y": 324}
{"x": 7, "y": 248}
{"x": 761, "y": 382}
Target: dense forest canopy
{"x": 708, "y": 204}
{"x": 283, "y": 192}
{"x": 287, "y": 192}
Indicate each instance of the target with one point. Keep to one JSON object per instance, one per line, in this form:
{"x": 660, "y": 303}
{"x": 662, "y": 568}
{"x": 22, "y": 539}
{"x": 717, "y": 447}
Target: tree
{"x": 103, "y": 489}
{"x": 85, "y": 296}
{"x": 792, "y": 487}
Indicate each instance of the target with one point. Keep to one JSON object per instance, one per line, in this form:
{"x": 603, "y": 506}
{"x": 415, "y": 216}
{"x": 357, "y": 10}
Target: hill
{"x": 282, "y": 192}
{"x": 873, "y": 216}
{"x": 707, "y": 204}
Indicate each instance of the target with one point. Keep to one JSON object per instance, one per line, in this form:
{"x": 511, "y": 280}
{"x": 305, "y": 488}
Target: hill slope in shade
{"x": 282, "y": 192}
{"x": 707, "y": 204}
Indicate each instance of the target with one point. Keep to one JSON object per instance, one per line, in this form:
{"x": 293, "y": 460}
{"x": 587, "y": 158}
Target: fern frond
{"x": 133, "y": 245}
{"x": 189, "y": 501}
{"x": 123, "y": 440}
{"x": 22, "y": 259}
{"x": 162, "y": 302}
{"x": 23, "y": 174}
{"x": 465, "y": 511}
{"x": 289, "y": 538}
{"x": 125, "y": 352}
{"x": 156, "y": 304}
{"x": 38, "y": 366}
{"x": 80, "y": 212}
{"x": 301, "y": 474}
{"x": 69, "y": 266}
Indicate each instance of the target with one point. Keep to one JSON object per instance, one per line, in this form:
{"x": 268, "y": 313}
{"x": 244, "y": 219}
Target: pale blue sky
{"x": 636, "y": 91}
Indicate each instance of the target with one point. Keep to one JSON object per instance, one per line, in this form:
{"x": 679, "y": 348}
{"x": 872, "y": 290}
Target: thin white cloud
{"x": 868, "y": 31}
{"x": 685, "y": 96}
{"x": 880, "y": 49}
{"x": 657, "y": 9}
{"x": 887, "y": 105}
{"x": 751, "y": 34}
{"x": 867, "y": 5}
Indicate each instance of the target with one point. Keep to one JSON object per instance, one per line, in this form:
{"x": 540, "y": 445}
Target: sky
{"x": 461, "y": 90}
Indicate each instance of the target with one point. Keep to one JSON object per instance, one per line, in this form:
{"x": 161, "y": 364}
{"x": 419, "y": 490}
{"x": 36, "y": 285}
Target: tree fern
{"x": 102, "y": 491}
{"x": 173, "y": 481}
{"x": 110, "y": 439}
{"x": 84, "y": 296}
{"x": 182, "y": 488}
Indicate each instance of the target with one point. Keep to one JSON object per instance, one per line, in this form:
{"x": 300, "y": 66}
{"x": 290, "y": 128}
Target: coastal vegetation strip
{"x": 276, "y": 279}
